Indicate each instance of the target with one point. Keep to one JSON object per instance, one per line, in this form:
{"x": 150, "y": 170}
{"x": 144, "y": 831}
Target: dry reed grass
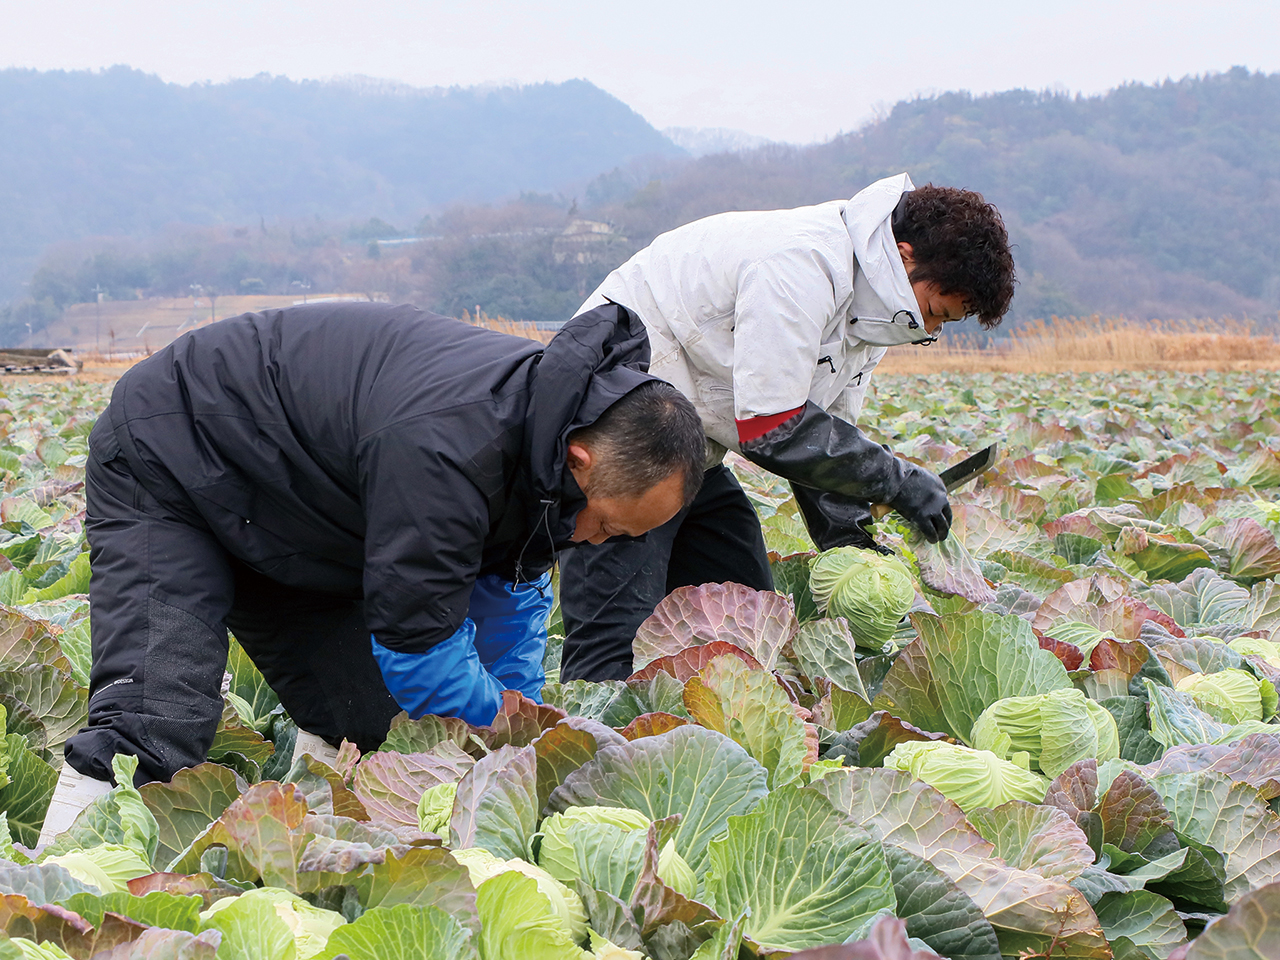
{"x": 517, "y": 328}
{"x": 1097, "y": 344}
{"x": 1062, "y": 345}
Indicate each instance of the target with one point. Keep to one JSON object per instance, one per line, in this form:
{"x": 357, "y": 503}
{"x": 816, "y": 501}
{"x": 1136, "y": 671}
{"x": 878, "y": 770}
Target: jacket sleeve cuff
{"x": 755, "y": 427}
{"x": 447, "y": 680}
{"x": 815, "y": 449}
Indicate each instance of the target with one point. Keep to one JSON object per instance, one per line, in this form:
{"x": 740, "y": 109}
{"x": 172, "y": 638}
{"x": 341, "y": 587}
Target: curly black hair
{"x": 960, "y": 242}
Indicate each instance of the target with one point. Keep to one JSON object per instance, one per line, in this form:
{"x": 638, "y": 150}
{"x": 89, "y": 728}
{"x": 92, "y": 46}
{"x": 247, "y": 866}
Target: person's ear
{"x": 579, "y": 458}
{"x": 908, "y": 255}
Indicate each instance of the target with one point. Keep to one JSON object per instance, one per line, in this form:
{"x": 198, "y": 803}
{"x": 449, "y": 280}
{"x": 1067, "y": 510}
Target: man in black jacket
{"x": 313, "y": 476}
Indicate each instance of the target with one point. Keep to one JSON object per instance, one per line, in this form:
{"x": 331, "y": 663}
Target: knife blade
{"x": 969, "y": 468}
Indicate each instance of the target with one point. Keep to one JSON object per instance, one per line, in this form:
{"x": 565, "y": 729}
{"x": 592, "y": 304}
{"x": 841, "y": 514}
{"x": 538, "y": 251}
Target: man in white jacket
{"x": 771, "y": 323}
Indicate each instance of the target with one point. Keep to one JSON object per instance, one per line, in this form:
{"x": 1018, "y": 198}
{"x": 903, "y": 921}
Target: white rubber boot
{"x": 318, "y": 748}
{"x": 73, "y": 794}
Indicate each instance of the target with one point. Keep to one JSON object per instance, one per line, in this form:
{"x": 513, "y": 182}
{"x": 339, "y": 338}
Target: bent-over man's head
{"x": 956, "y": 250}
{"x": 639, "y": 464}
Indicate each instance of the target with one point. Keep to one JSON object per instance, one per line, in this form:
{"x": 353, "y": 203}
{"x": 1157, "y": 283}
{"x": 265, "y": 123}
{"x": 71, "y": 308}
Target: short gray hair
{"x": 642, "y": 439}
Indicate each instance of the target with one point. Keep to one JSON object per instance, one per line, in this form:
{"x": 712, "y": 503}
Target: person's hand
{"x": 922, "y": 500}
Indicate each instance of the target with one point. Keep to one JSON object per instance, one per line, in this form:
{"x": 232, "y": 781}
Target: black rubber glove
{"x": 835, "y": 520}
{"x": 922, "y": 500}
{"x": 842, "y": 466}
{"x": 817, "y": 450}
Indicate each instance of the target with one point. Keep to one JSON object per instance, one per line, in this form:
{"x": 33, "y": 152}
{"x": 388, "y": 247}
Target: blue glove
{"x": 448, "y": 680}
{"x": 498, "y": 647}
{"x": 511, "y": 631}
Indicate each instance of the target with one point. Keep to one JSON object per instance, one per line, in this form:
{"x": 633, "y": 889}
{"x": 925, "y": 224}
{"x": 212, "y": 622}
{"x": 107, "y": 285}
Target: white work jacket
{"x": 750, "y": 314}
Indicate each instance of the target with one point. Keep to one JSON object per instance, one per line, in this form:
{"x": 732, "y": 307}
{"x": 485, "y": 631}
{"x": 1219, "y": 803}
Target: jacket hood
{"x": 884, "y": 304}
{"x": 595, "y": 360}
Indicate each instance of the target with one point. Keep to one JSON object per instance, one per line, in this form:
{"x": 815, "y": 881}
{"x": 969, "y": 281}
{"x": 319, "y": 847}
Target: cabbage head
{"x": 556, "y": 853}
{"x": 1053, "y": 729}
{"x": 311, "y": 926}
{"x": 564, "y": 907}
{"x": 675, "y": 872}
{"x": 1265, "y": 649}
{"x": 580, "y": 828}
{"x": 108, "y": 866}
{"x": 1232, "y": 695}
{"x": 871, "y": 591}
{"x": 435, "y": 808}
{"x": 602, "y": 949}
{"x": 30, "y": 950}
{"x": 971, "y": 778}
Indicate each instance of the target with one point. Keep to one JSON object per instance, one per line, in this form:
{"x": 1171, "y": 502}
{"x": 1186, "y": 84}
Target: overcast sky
{"x": 797, "y": 71}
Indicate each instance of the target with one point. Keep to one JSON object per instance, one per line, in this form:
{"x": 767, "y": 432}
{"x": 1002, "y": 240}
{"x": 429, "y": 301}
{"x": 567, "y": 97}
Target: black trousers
{"x": 162, "y": 596}
{"x": 608, "y": 590}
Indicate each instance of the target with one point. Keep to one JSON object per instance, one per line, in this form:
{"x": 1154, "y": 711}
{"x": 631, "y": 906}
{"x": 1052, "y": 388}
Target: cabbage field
{"x": 1053, "y": 736}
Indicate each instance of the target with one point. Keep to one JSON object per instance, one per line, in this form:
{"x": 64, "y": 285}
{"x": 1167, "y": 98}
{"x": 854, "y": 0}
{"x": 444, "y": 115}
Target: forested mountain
{"x": 119, "y": 152}
{"x": 1149, "y": 201}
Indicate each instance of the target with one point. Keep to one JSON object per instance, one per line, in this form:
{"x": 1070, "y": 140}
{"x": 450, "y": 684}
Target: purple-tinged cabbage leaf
{"x": 389, "y": 784}
{"x": 886, "y": 940}
{"x": 496, "y": 806}
{"x": 947, "y": 567}
{"x": 1247, "y": 932}
{"x": 1252, "y": 548}
{"x": 1039, "y": 839}
{"x": 750, "y": 707}
{"x": 186, "y": 805}
{"x": 688, "y": 662}
{"x": 762, "y": 623}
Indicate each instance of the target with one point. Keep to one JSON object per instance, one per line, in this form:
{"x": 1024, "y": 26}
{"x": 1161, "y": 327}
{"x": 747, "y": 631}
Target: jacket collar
{"x": 885, "y": 309}
{"x": 596, "y": 359}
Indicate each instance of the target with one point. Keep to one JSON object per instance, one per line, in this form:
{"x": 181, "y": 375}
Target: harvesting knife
{"x": 969, "y": 468}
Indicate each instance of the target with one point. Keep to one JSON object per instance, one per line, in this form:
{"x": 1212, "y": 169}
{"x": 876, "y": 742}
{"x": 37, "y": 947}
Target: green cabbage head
{"x": 579, "y": 829}
{"x": 1053, "y": 730}
{"x": 562, "y": 906}
{"x": 556, "y": 854}
{"x": 311, "y": 926}
{"x": 1265, "y": 649}
{"x": 435, "y": 808}
{"x": 602, "y": 949}
{"x": 972, "y": 778}
{"x": 1232, "y": 695}
{"x": 871, "y": 591}
{"x": 30, "y": 950}
{"x": 108, "y": 866}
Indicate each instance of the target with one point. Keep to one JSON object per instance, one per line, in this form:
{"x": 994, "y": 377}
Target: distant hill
{"x": 1151, "y": 200}
{"x": 119, "y": 152}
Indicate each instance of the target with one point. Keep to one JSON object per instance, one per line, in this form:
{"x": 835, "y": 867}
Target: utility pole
{"x": 97, "y": 319}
